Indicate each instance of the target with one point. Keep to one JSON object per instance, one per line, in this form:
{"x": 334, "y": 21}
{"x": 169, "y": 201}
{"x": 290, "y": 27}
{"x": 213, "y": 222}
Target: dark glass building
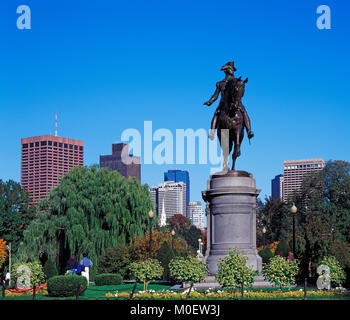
{"x": 180, "y": 176}
{"x": 277, "y": 187}
{"x": 121, "y": 161}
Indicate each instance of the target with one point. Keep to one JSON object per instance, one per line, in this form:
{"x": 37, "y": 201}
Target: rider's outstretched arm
{"x": 214, "y": 97}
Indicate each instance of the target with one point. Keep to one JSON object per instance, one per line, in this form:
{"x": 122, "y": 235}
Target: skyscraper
{"x": 121, "y": 161}
{"x": 294, "y": 171}
{"x": 171, "y": 196}
{"x": 277, "y": 187}
{"x": 46, "y": 158}
{"x": 180, "y": 176}
{"x": 196, "y": 213}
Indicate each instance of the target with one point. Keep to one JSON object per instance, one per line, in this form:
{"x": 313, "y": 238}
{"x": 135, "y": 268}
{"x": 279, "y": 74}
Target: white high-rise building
{"x": 196, "y": 213}
{"x": 171, "y": 196}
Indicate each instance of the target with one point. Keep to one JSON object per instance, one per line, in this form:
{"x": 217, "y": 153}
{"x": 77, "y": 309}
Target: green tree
{"x": 165, "y": 255}
{"x": 188, "y": 269}
{"x": 275, "y": 216}
{"x": 281, "y": 271}
{"x": 233, "y": 271}
{"x": 50, "y": 269}
{"x": 116, "y": 260}
{"x": 337, "y": 273}
{"x": 324, "y": 210}
{"x": 89, "y": 211}
{"x": 146, "y": 271}
{"x": 16, "y": 212}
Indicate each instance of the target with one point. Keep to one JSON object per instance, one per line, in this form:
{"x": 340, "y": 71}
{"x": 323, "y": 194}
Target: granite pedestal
{"x": 231, "y": 213}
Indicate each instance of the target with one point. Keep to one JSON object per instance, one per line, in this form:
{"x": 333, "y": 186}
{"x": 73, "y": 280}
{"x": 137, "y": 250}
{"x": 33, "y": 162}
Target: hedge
{"x": 66, "y": 286}
{"x": 105, "y": 279}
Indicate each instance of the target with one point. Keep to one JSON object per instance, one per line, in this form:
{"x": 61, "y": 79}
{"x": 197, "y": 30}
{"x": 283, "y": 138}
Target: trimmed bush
{"x": 233, "y": 271}
{"x": 108, "y": 279}
{"x": 50, "y": 269}
{"x": 66, "y": 286}
{"x": 280, "y": 271}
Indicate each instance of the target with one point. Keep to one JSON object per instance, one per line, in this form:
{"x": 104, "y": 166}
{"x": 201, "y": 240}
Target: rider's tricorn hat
{"x": 228, "y": 65}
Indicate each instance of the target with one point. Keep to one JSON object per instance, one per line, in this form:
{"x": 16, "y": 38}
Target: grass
{"x": 98, "y": 293}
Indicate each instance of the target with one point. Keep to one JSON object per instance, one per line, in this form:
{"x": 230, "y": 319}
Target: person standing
{"x": 87, "y": 263}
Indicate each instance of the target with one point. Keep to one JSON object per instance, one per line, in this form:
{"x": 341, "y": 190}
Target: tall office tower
{"x": 277, "y": 187}
{"x": 46, "y": 158}
{"x": 121, "y": 161}
{"x": 196, "y": 213}
{"x": 178, "y": 176}
{"x": 294, "y": 171}
{"x": 172, "y": 196}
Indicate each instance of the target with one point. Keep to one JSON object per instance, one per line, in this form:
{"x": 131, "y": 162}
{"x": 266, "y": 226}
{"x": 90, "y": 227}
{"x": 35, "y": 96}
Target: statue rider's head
{"x": 228, "y": 68}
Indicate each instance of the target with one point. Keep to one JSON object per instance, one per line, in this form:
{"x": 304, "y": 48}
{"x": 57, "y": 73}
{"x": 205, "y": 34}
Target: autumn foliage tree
{"x": 3, "y": 253}
{"x": 141, "y": 243}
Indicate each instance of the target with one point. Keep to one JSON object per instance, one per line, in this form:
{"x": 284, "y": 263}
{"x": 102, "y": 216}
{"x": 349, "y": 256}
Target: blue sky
{"x": 107, "y": 66}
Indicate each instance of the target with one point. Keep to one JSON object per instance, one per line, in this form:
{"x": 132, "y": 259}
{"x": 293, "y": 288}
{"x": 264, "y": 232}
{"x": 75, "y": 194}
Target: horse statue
{"x": 230, "y": 129}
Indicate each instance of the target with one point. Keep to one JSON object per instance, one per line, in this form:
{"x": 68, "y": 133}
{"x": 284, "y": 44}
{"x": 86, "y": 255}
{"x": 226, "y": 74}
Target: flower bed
{"x": 223, "y": 295}
{"x": 42, "y": 289}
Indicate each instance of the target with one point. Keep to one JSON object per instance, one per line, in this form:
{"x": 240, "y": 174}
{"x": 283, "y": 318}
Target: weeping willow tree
{"x": 90, "y": 210}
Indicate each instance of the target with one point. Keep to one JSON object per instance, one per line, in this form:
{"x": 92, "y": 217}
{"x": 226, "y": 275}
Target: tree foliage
{"x": 116, "y": 260}
{"x": 3, "y": 253}
{"x": 16, "y": 212}
{"x": 141, "y": 243}
{"x": 165, "y": 255}
{"x": 281, "y": 271}
{"x": 233, "y": 271}
{"x": 146, "y": 271}
{"x": 89, "y": 211}
{"x": 337, "y": 273}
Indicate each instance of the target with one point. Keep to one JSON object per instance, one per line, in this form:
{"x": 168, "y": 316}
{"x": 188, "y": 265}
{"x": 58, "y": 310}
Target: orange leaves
{"x": 141, "y": 244}
{"x": 3, "y": 253}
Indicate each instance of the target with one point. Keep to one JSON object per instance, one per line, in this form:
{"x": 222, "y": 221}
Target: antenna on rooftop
{"x": 56, "y": 125}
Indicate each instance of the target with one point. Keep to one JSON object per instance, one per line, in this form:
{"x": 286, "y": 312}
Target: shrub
{"x": 106, "y": 279}
{"x": 280, "y": 271}
{"x": 146, "y": 271}
{"x": 36, "y": 274}
{"x": 66, "y": 286}
{"x": 50, "y": 269}
{"x": 188, "y": 269}
{"x": 338, "y": 275}
{"x": 115, "y": 260}
{"x": 165, "y": 254}
{"x": 266, "y": 254}
{"x": 233, "y": 270}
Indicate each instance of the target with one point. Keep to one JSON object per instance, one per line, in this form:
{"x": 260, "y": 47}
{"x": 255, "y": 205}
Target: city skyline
{"x": 82, "y": 62}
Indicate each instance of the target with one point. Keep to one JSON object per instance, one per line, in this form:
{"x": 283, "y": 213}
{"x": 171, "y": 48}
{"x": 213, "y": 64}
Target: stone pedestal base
{"x": 231, "y": 212}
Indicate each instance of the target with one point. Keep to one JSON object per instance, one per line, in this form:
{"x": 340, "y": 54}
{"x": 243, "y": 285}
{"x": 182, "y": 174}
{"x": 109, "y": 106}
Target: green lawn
{"x": 99, "y": 292}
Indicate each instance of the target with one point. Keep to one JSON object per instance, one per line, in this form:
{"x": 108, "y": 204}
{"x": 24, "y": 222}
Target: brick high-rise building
{"x": 121, "y": 161}
{"x": 294, "y": 171}
{"x": 46, "y": 158}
